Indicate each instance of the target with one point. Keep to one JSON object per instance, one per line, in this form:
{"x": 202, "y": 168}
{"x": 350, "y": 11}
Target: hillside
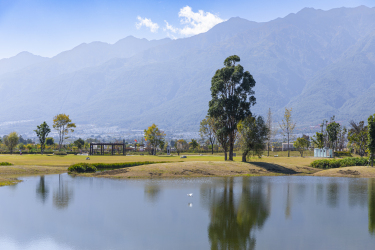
{"x": 320, "y": 63}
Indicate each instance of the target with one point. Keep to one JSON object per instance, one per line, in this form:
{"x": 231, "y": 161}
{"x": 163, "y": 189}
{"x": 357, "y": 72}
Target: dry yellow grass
{"x": 364, "y": 172}
{"x": 206, "y": 168}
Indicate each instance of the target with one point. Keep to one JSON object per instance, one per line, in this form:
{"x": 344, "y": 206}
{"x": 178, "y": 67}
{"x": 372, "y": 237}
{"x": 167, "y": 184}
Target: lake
{"x": 284, "y": 212}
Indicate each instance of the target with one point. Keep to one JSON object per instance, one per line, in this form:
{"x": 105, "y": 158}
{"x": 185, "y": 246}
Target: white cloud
{"x": 148, "y": 23}
{"x": 194, "y": 22}
{"x": 169, "y": 27}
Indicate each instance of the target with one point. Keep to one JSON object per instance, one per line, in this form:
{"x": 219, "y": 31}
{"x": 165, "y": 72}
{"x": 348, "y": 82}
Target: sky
{"x": 48, "y": 27}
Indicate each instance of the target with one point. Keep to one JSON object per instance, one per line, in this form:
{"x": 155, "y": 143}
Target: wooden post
{"x": 112, "y": 149}
{"x": 123, "y": 147}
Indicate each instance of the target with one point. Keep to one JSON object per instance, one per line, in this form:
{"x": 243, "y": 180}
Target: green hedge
{"x": 82, "y": 168}
{"x": 343, "y": 154}
{"x": 5, "y": 164}
{"x": 346, "y": 162}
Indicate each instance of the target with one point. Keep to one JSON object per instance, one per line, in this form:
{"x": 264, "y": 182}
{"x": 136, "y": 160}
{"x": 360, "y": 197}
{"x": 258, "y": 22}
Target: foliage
{"x": 50, "y": 141}
{"x": 301, "y": 144}
{"x": 63, "y": 124}
{"x": 11, "y": 141}
{"x": 346, "y": 162}
{"x": 371, "y": 138}
{"x": 343, "y": 154}
{"x": 287, "y": 125}
{"x": 333, "y": 130}
{"x": 6, "y": 164}
{"x": 319, "y": 140}
{"x": 154, "y": 136}
{"x": 61, "y": 153}
{"x": 21, "y": 146}
{"x": 79, "y": 143}
{"x": 232, "y": 96}
{"x": 193, "y": 144}
{"x": 358, "y": 136}
{"x": 82, "y": 168}
{"x": 206, "y": 129}
{"x": 252, "y": 135}
{"x": 42, "y": 132}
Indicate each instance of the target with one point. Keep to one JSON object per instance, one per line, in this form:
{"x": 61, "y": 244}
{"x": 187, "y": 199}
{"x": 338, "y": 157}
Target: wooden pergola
{"x": 102, "y": 144}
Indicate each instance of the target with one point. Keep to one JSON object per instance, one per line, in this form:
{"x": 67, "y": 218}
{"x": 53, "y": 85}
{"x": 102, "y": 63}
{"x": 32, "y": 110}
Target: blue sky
{"x": 47, "y": 27}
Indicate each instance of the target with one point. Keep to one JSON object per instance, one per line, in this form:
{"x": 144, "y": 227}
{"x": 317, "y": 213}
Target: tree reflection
{"x": 42, "y": 190}
{"x": 62, "y": 196}
{"x": 371, "y": 206}
{"x": 332, "y": 196}
{"x": 232, "y": 220}
{"x": 152, "y": 192}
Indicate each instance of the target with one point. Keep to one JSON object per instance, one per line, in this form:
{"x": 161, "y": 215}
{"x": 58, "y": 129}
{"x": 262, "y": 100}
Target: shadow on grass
{"x": 274, "y": 168}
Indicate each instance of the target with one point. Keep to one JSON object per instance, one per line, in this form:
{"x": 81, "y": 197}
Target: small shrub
{"x": 5, "y": 164}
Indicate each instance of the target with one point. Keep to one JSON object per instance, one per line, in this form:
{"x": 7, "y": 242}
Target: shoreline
{"x": 9, "y": 174}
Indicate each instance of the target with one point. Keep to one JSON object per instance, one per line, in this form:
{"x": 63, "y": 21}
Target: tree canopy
{"x": 42, "y": 132}
{"x": 11, "y": 141}
{"x": 154, "y": 136}
{"x": 253, "y": 133}
{"x": 232, "y": 96}
{"x": 63, "y": 124}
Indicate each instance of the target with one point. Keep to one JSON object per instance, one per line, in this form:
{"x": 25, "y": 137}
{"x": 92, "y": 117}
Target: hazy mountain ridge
{"x": 320, "y": 63}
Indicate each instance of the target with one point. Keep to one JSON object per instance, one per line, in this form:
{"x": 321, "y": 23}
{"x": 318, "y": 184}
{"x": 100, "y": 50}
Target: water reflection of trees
{"x": 42, "y": 190}
{"x": 371, "y": 206}
{"x": 152, "y": 192}
{"x": 233, "y": 219}
{"x": 62, "y": 196}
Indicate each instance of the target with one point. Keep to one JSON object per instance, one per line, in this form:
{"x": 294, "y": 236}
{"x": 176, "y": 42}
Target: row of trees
{"x": 61, "y": 123}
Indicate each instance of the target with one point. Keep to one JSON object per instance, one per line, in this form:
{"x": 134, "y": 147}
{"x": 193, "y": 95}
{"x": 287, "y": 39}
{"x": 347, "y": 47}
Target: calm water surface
{"x": 63, "y": 212}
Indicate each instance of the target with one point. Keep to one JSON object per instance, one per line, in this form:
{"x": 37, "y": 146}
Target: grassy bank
{"x": 204, "y": 168}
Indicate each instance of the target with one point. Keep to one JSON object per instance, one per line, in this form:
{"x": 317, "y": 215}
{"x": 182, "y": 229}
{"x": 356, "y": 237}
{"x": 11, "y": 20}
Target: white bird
{"x": 190, "y": 204}
{"x": 190, "y": 194}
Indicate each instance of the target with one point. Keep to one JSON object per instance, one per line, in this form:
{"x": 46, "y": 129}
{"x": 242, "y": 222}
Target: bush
{"x": 82, "y": 168}
{"x": 60, "y": 153}
{"x": 343, "y": 154}
{"x": 5, "y": 164}
{"x": 346, "y": 162}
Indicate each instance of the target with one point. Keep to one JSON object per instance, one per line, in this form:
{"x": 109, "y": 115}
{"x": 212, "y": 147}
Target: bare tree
{"x": 287, "y": 125}
{"x": 271, "y": 132}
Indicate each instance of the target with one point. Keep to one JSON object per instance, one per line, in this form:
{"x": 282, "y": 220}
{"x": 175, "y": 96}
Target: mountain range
{"x": 319, "y": 63}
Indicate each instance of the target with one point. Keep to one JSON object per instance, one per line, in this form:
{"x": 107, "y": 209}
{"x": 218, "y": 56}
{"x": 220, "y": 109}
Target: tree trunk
{"x": 244, "y": 154}
{"x": 212, "y": 147}
{"x": 288, "y": 145}
{"x": 225, "y": 154}
{"x": 268, "y": 146}
{"x": 231, "y": 142}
